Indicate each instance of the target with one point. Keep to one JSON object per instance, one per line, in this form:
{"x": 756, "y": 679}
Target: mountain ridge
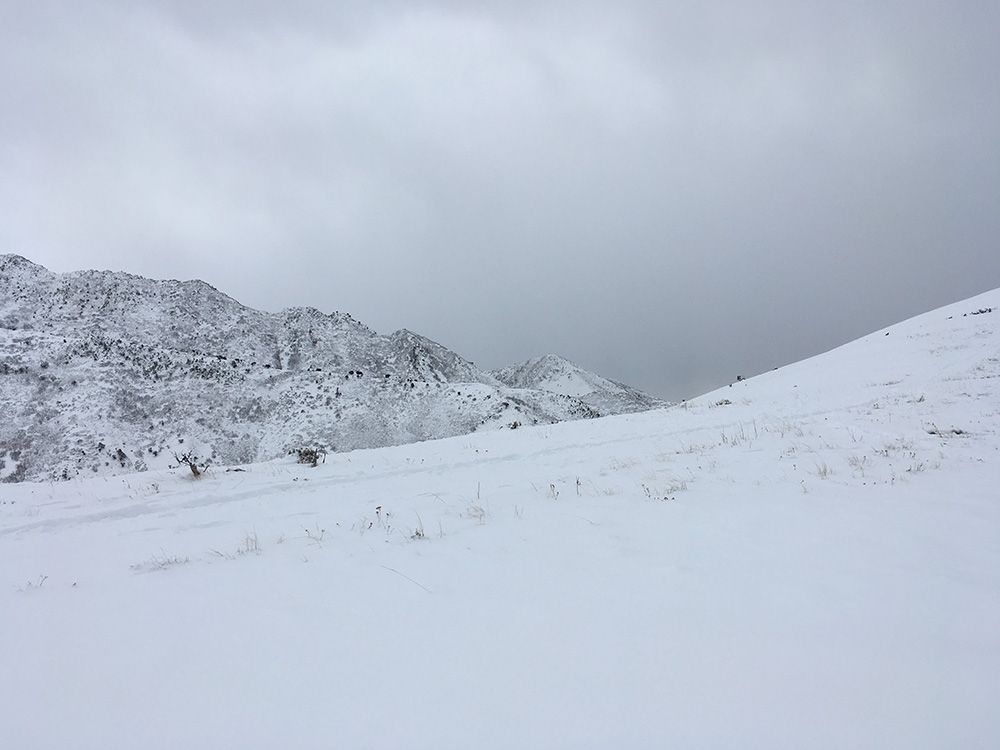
{"x": 556, "y": 374}
{"x": 104, "y": 372}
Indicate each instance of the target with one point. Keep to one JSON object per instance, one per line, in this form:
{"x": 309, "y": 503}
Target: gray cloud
{"x": 668, "y": 194}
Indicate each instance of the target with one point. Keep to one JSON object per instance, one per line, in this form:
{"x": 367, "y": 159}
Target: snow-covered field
{"x": 810, "y": 558}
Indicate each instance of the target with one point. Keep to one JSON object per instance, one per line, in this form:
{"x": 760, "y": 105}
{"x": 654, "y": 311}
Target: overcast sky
{"x": 668, "y": 194}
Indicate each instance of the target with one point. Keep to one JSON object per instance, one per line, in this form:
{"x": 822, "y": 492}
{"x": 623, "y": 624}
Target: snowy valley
{"x": 807, "y": 558}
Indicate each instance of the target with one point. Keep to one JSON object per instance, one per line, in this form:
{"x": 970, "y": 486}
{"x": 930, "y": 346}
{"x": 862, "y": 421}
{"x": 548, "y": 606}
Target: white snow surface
{"x": 809, "y": 558}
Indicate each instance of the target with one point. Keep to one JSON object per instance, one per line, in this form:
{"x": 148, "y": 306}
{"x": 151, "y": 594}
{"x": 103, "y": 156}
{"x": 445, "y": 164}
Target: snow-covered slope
{"x": 809, "y": 558}
{"x": 556, "y": 374}
{"x": 104, "y": 373}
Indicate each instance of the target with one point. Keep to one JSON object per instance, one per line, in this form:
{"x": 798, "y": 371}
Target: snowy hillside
{"x": 809, "y": 558}
{"x": 555, "y": 374}
{"x": 107, "y": 373}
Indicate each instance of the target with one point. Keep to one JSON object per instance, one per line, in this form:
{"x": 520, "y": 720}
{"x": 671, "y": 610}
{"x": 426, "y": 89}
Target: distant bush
{"x": 310, "y": 456}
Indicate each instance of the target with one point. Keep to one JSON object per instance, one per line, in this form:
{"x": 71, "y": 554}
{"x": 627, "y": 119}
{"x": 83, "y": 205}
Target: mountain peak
{"x": 13, "y": 261}
{"x": 553, "y": 360}
{"x": 556, "y": 374}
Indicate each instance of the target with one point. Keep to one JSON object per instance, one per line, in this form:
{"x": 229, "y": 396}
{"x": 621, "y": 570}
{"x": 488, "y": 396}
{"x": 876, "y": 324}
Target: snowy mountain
{"x": 555, "y": 374}
{"x": 807, "y": 558}
{"x": 104, "y": 373}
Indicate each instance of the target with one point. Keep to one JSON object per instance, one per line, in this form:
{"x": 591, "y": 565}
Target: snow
{"x": 104, "y": 374}
{"x": 554, "y": 374}
{"x": 814, "y": 564}
{"x": 558, "y": 374}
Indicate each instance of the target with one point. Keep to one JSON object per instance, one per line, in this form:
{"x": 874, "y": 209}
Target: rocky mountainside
{"x": 555, "y": 374}
{"x": 105, "y": 373}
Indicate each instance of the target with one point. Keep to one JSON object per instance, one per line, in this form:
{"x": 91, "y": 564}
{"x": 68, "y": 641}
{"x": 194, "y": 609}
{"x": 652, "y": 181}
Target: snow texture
{"x": 107, "y": 373}
{"x": 808, "y": 558}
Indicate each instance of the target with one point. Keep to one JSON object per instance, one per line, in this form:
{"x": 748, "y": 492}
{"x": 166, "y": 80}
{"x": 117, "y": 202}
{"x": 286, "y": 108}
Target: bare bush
{"x": 310, "y": 456}
{"x": 192, "y": 461}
